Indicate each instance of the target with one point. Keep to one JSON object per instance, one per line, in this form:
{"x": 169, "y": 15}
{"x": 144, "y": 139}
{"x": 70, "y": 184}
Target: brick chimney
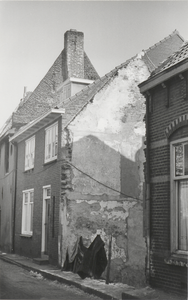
{"x": 74, "y": 50}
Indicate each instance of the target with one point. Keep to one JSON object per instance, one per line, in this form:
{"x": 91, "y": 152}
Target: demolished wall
{"x": 105, "y": 192}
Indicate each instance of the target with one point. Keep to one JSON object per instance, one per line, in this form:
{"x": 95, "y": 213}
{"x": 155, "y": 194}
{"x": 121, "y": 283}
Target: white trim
{"x": 31, "y": 124}
{"x": 23, "y": 213}
{"x": 52, "y": 157}
{"x": 30, "y": 166}
{"x": 74, "y": 79}
{"x": 24, "y": 191}
{"x": 43, "y": 216}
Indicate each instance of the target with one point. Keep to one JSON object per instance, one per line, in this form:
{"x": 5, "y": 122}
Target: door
{"x": 46, "y": 220}
{"x": 47, "y": 226}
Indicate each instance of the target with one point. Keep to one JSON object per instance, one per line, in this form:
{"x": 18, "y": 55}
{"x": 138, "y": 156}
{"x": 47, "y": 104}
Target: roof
{"x": 76, "y": 103}
{"x": 173, "y": 65}
{"x": 151, "y": 56}
{"x": 163, "y": 49}
{"x": 32, "y": 127}
{"x": 44, "y": 97}
{"x": 174, "y": 59}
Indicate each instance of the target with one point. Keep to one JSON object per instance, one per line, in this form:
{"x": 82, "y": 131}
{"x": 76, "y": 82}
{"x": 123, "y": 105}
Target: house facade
{"x": 166, "y": 173}
{"x": 70, "y": 73}
{"x": 80, "y": 169}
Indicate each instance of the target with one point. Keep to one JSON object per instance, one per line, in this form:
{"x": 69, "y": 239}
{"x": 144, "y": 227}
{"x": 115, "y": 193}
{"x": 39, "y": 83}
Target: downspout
{"x": 14, "y": 200}
{"x": 148, "y": 103}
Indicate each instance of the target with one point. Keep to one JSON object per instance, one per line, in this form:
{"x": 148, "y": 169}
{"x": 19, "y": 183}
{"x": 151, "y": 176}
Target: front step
{"x": 41, "y": 261}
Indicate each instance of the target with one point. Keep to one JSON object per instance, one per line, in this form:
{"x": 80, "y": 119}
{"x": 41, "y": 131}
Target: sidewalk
{"x": 112, "y": 291}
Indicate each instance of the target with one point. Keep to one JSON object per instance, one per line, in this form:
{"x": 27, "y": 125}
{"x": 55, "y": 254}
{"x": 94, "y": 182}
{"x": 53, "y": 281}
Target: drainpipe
{"x": 148, "y": 100}
{"x": 14, "y": 200}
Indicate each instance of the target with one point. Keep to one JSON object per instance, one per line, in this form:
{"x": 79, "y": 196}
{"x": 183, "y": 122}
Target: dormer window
{"x": 51, "y": 141}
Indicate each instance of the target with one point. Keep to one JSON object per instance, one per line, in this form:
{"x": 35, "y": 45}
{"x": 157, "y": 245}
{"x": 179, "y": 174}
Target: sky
{"x": 32, "y": 37}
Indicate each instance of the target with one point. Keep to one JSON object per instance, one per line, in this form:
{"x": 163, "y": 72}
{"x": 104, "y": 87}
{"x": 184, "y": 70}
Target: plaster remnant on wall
{"x": 139, "y": 128}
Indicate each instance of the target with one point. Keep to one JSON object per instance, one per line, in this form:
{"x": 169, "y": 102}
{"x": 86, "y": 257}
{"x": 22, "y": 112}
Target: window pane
{"x": 50, "y": 142}
{"x": 31, "y": 217}
{"x": 31, "y": 196}
{"x": 48, "y": 192}
{"x": 183, "y": 215}
{"x": 186, "y": 158}
{"x": 26, "y": 198}
{"x": 179, "y": 160}
{"x": 25, "y": 217}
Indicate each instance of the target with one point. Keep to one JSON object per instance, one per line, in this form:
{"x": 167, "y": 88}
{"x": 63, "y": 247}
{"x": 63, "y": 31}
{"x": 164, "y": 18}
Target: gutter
{"x": 36, "y": 122}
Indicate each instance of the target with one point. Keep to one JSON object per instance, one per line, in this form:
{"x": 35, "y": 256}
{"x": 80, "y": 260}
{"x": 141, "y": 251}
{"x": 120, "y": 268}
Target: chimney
{"x": 74, "y": 50}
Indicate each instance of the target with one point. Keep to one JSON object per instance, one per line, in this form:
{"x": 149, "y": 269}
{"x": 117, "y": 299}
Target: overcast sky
{"x": 32, "y": 36}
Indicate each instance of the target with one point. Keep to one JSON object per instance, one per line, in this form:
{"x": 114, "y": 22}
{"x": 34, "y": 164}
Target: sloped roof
{"x": 163, "y": 49}
{"x": 174, "y": 59}
{"x": 44, "y": 96}
{"x": 175, "y": 64}
{"x": 76, "y": 103}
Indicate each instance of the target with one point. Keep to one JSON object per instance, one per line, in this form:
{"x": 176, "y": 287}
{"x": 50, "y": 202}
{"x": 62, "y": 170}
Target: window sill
{"x": 50, "y": 161}
{"x": 177, "y": 260}
{"x": 29, "y": 170}
{"x": 26, "y": 236}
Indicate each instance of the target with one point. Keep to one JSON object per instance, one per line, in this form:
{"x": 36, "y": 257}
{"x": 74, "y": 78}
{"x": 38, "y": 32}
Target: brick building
{"x": 83, "y": 169}
{"x": 166, "y": 173}
{"x": 70, "y": 73}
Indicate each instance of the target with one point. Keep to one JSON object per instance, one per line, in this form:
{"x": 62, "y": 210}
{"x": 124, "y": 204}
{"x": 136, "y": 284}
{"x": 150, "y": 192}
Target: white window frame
{"x": 29, "y": 153}
{"x": 51, "y": 142}
{"x": 45, "y": 197}
{"x": 27, "y": 212}
{"x": 174, "y": 200}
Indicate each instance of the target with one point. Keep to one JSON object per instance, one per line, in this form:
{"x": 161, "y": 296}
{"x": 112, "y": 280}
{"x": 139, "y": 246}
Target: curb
{"x": 51, "y": 276}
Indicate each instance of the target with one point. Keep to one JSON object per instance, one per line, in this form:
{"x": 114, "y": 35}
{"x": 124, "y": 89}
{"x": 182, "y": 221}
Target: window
{"x": 51, "y": 136}
{"x": 179, "y": 196}
{"x": 29, "y": 153}
{"x": 27, "y": 212}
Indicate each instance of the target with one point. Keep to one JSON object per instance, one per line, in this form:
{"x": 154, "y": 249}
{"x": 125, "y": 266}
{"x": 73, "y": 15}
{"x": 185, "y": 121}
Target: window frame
{"x": 27, "y": 214}
{"x": 50, "y": 130}
{"x": 28, "y": 144}
{"x": 174, "y": 211}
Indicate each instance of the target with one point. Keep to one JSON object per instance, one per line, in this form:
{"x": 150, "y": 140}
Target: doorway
{"x": 46, "y": 220}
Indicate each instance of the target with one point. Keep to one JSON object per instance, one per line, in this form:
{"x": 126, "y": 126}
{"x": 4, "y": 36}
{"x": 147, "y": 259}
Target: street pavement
{"x": 18, "y": 283}
{"x": 112, "y": 291}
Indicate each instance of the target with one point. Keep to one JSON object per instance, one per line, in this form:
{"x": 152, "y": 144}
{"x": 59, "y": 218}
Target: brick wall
{"x": 166, "y": 106}
{"x": 41, "y": 175}
{"x": 74, "y": 49}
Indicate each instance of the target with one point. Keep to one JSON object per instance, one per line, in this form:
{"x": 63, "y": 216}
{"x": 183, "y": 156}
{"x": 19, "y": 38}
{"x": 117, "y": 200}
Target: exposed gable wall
{"x": 107, "y": 142}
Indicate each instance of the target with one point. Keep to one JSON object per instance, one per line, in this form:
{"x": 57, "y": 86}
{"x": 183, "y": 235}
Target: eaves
{"x": 164, "y": 76}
